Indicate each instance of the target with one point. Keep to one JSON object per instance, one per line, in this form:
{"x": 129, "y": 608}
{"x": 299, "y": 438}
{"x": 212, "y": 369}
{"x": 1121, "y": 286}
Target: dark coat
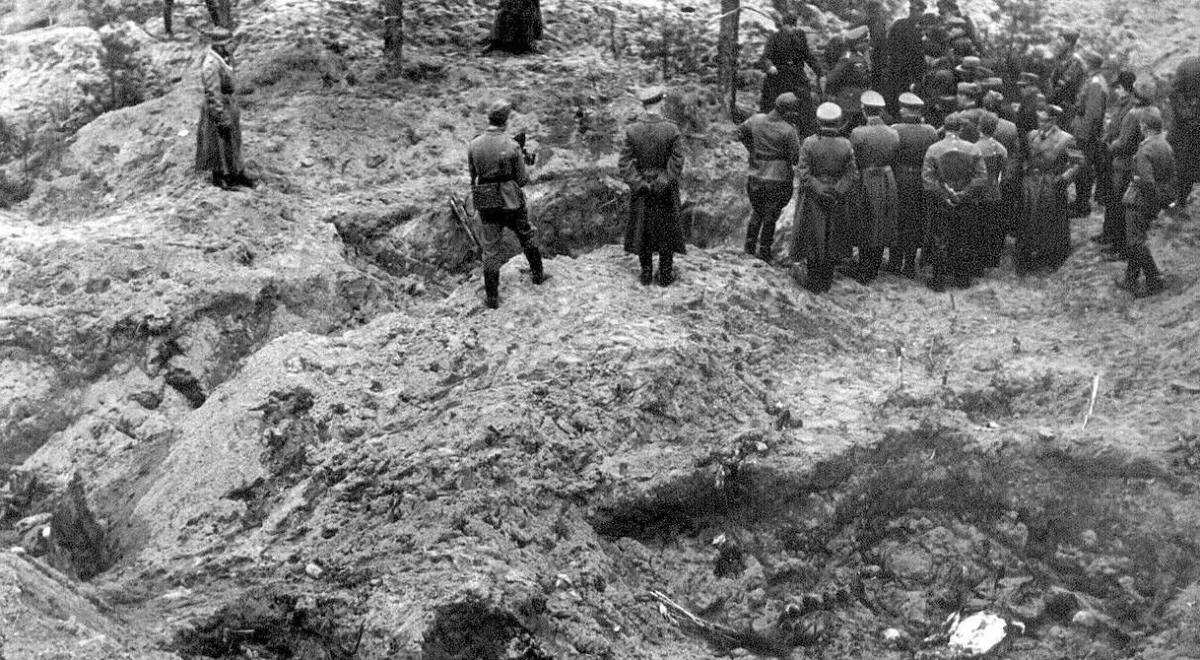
{"x": 875, "y": 147}
{"x": 651, "y": 163}
{"x": 906, "y": 54}
{"x": 219, "y": 133}
{"x": 827, "y": 174}
{"x": 1044, "y": 228}
{"x": 493, "y": 157}
{"x": 912, "y": 210}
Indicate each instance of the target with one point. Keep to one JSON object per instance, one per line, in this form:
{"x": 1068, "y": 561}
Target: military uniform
{"x": 788, "y": 51}
{"x": 774, "y": 148}
{"x": 850, "y": 77}
{"x": 651, "y": 163}
{"x": 912, "y": 217}
{"x": 1044, "y": 229}
{"x": 989, "y": 240}
{"x": 1113, "y": 233}
{"x": 1153, "y": 187}
{"x": 875, "y": 147}
{"x": 1088, "y": 129}
{"x": 955, "y": 176}
{"x": 1184, "y": 136}
{"x": 498, "y": 174}
{"x": 219, "y": 133}
{"x": 826, "y": 173}
{"x": 1065, "y": 82}
{"x": 1128, "y": 135}
{"x": 906, "y": 57}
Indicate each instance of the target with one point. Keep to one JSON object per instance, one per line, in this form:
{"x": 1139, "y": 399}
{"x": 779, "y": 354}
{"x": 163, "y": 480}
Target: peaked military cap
{"x": 652, "y": 94}
{"x": 953, "y": 122}
{"x": 993, "y": 97}
{"x": 855, "y": 35}
{"x": 1027, "y": 78}
{"x": 912, "y": 101}
{"x": 968, "y": 88}
{"x": 828, "y": 113}
{"x": 992, "y": 84}
{"x": 955, "y": 19}
{"x": 219, "y": 35}
{"x": 1053, "y": 110}
{"x": 970, "y": 62}
{"x": 1092, "y": 57}
{"x": 872, "y": 99}
{"x": 498, "y": 111}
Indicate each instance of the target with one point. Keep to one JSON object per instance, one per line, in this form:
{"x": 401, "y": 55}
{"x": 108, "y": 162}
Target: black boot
{"x": 646, "y": 261}
{"x": 666, "y": 268}
{"x": 1154, "y": 279}
{"x": 536, "y": 271}
{"x": 219, "y": 180}
{"x": 491, "y": 288}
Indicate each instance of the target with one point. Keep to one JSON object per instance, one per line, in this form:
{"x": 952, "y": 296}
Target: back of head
{"x": 987, "y": 123}
{"x": 787, "y": 103}
{"x": 498, "y": 112}
{"x": 1152, "y": 119}
{"x": 1144, "y": 89}
{"x": 1125, "y": 80}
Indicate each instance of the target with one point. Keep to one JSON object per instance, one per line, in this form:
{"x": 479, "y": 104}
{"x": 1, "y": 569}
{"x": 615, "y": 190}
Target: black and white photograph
{"x": 599, "y": 329}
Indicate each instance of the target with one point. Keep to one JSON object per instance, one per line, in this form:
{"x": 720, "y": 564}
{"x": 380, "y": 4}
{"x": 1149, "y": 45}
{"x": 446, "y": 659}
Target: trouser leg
{"x": 666, "y": 268}
{"x": 168, "y": 8}
{"x": 646, "y": 261}
{"x": 755, "y": 193}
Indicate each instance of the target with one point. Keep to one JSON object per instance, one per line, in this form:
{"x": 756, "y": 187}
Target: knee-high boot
{"x": 536, "y": 271}
{"x": 491, "y": 288}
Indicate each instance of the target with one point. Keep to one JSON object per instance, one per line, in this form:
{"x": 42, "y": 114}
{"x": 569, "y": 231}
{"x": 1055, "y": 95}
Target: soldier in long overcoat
{"x": 651, "y": 163}
{"x": 826, "y": 174}
{"x": 1044, "y": 229}
{"x": 990, "y": 237}
{"x": 1153, "y": 187}
{"x": 1184, "y": 133}
{"x": 875, "y": 147}
{"x": 1088, "y": 128}
{"x": 912, "y": 216}
{"x": 955, "y": 178}
{"x": 784, "y": 57}
{"x": 219, "y": 132}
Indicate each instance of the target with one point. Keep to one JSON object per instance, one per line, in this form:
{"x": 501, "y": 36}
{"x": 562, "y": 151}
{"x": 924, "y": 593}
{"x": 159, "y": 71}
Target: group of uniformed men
{"x": 939, "y": 189}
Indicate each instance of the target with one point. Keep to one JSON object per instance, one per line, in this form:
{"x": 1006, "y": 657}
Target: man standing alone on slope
{"x": 498, "y": 174}
{"x": 651, "y": 163}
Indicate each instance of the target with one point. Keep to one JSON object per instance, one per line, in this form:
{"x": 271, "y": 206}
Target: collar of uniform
{"x": 875, "y": 120}
{"x": 828, "y": 132}
{"x": 494, "y": 129}
{"x": 652, "y": 116}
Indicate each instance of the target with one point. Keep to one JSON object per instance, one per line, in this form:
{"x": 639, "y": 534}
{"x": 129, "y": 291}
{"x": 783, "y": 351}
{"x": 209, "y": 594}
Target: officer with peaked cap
{"x": 1029, "y": 88}
{"x": 1044, "y": 228}
{"x": 849, "y": 78}
{"x": 955, "y": 177}
{"x": 826, "y": 176}
{"x": 875, "y": 147}
{"x": 651, "y": 163}
{"x": 912, "y": 216}
{"x": 498, "y": 174}
{"x": 967, "y": 105}
{"x": 774, "y": 148}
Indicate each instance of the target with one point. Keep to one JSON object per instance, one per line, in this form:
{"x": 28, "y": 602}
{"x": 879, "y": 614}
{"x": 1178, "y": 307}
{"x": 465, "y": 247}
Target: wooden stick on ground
{"x": 1092, "y": 403}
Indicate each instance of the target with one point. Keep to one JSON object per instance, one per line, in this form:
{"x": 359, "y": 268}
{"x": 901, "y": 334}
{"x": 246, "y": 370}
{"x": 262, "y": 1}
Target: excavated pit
{"x": 926, "y": 523}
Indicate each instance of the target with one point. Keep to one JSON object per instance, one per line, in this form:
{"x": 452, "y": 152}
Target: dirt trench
{"x": 1085, "y": 551}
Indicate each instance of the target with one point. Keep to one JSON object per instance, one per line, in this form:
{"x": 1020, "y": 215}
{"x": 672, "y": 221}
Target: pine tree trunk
{"x": 727, "y": 51}
{"x": 393, "y": 33}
